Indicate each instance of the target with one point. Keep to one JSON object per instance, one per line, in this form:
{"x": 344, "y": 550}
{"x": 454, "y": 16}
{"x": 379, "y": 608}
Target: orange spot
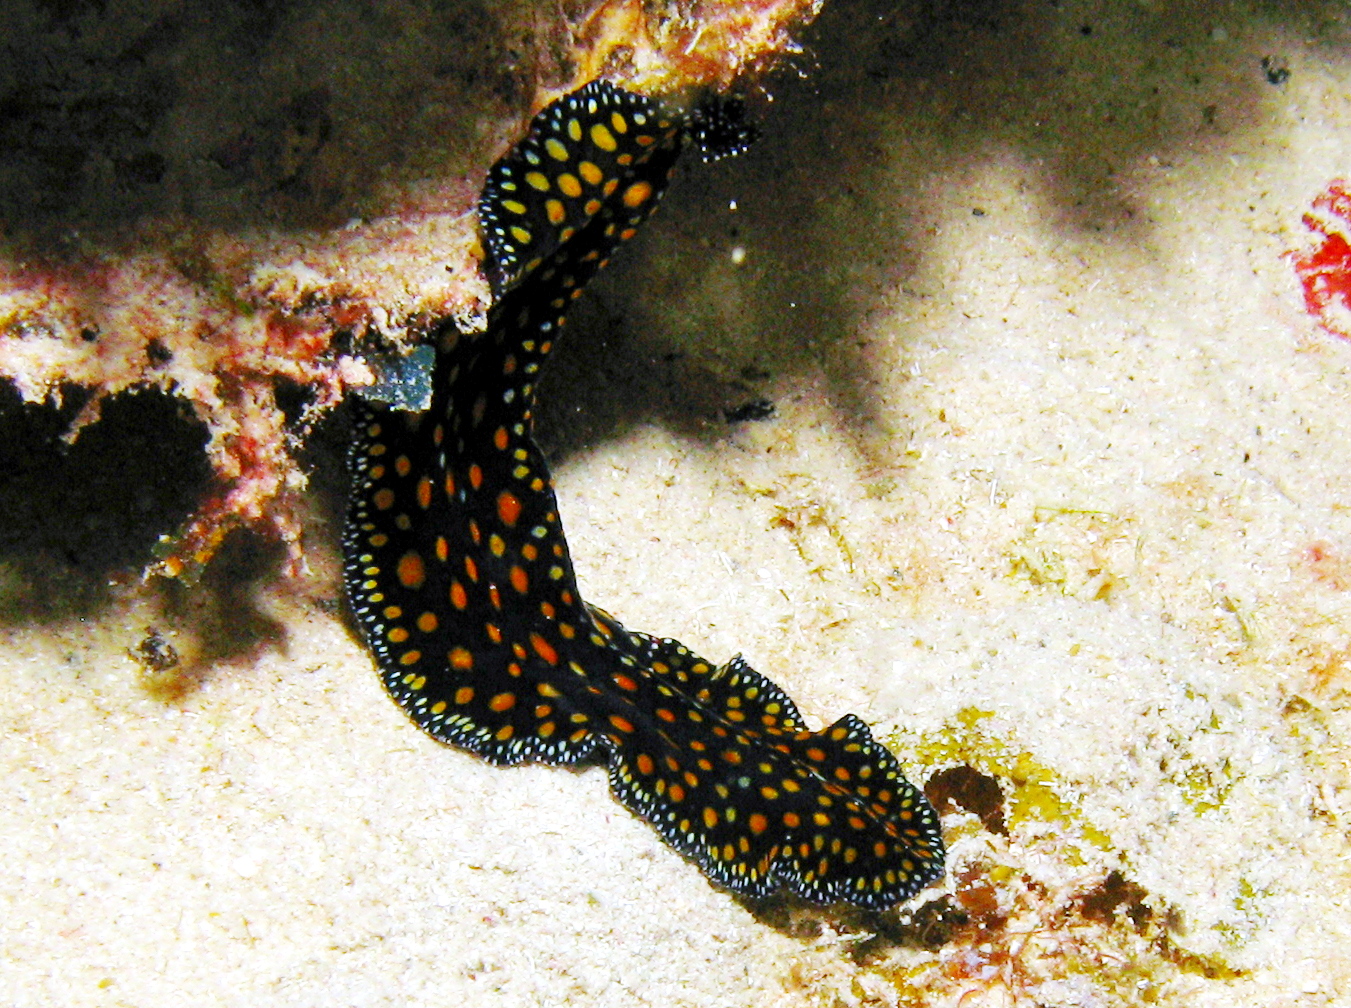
{"x": 402, "y": 465}
{"x": 410, "y": 657}
{"x": 494, "y": 634}
{"x": 458, "y": 598}
{"x": 677, "y": 793}
{"x": 424, "y": 493}
{"x": 625, "y": 682}
{"x": 397, "y": 634}
{"x": 442, "y": 548}
{"x": 427, "y": 622}
{"x": 880, "y": 849}
{"x": 816, "y": 755}
{"x": 471, "y": 569}
{"x": 623, "y": 724}
{"x": 519, "y": 581}
{"x": 508, "y": 507}
{"x": 645, "y": 765}
{"x": 383, "y": 499}
{"x": 460, "y": 658}
{"x": 792, "y": 820}
{"x": 637, "y": 194}
{"x": 464, "y": 694}
{"x": 495, "y": 597}
{"x": 711, "y": 817}
{"x": 666, "y": 715}
{"x": 502, "y": 702}
{"x": 475, "y": 476}
{"x": 504, "y": 733}
{"x": 500, "y": 439}
{"x": 544, "y": 649}
{"x": 450, "y": 485}
{"x": 410, "y": 570}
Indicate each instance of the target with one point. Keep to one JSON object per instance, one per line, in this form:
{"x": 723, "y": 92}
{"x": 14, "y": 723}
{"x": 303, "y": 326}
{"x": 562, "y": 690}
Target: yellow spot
{"x": 410, "y": 570}
{"x": 602, "y": 137}
{"x": 546, "y": 729}
{"x": 556, "y": 212}
{"x": 569, "y": 186}
{"x": 439, "y": 707}
{"x": 590, "y": 173}
{"x": 497, "y": 544}
{"x": 769, "y": 793}
{"x": 548, "y": 690}
{"x": 520, "y": 234}
{"x": 620, "y": 124}
{"x": 574, "y": 130}
{"x": 537, "y": 180}
{"x": 555, "y": 149}
{"x": 515, "y": 206}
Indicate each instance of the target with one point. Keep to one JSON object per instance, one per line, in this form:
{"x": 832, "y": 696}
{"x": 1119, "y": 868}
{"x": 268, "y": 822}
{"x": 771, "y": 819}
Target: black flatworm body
{"x": 459, "y": 573}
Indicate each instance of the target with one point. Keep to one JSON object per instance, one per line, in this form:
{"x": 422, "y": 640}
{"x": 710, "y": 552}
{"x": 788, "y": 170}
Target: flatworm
{"x": 459, "y": 573}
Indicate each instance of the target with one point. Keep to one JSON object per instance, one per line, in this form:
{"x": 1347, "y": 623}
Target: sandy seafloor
{"x": 1056, "y": 485}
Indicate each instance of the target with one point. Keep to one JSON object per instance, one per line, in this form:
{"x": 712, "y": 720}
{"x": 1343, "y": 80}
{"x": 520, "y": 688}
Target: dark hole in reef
{"x": 1117, "y": 895}
{"x": 74, "y": 513}
{"x": 966, "y": 788}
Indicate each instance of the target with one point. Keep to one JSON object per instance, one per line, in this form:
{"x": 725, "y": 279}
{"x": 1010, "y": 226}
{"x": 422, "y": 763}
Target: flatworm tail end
{"x": 730, "y": 777}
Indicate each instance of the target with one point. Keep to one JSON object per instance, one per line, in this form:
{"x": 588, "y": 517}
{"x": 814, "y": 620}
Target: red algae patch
{"x": 1324, "y": 270}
